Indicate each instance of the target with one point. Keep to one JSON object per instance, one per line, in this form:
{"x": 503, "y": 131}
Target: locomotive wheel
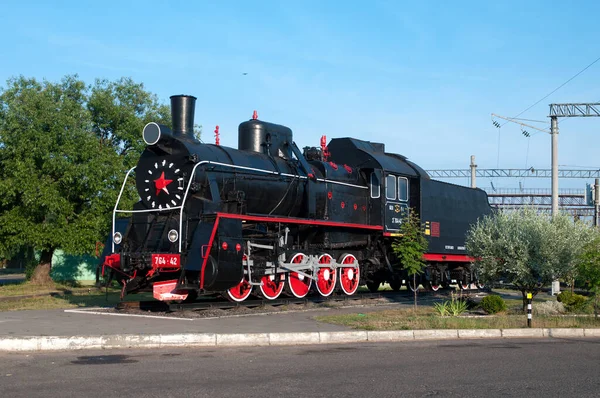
{"x": 326, "y": 276}
{"x": 478, "y": 284}
{"x": 373, "y": 286}
{"x": 241, "y": 291}
{"x": 349, "y": 276}
{"x": 433, "y": 287}
{"x": 395, "y": 285}
{"x": 192, "y": 296}
{"x": 298, "y": 284}
{"x": 272, "y": 286}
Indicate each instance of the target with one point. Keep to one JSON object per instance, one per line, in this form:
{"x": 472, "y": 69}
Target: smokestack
{"x": 182, "y": 114}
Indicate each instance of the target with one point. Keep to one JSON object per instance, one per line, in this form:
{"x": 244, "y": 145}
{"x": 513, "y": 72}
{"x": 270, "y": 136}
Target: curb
{"x": 58, "y": 343}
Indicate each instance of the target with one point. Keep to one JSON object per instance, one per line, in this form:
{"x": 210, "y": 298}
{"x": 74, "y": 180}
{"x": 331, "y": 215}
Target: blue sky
{"x": 422, "y": 77}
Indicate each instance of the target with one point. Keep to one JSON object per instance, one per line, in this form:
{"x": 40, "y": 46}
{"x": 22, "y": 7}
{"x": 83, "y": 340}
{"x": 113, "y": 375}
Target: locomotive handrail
{"x": 233, "y": 166}
{"x": 116, "y": 209}
{"x": 189, "y": 184}
{"x": 112, "y": 241}
{"x": 278, "y": 173}
{"x": 149, "y": 210}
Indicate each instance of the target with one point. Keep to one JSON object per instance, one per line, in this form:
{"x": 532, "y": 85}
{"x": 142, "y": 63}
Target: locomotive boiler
{"x": 268, "y": 218}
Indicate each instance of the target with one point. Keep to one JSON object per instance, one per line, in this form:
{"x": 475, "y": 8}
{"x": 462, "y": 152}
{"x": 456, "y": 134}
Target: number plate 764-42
{"x": 165, "y": 261}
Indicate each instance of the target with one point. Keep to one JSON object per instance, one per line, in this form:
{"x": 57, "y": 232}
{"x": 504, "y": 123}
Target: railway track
{"x": 223, "y": 304}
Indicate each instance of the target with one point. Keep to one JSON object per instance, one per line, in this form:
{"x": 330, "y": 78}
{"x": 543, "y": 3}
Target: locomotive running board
{"x": 451, "y": 258}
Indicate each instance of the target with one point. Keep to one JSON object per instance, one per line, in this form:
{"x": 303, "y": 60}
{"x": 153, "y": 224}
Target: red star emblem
{"x": 161, "y": 184}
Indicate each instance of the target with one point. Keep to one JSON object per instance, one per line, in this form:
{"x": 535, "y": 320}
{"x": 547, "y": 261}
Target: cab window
{"x": 390, "y": 187}
{"x": 375, "y": 186}
{"x": 403, "y": 189}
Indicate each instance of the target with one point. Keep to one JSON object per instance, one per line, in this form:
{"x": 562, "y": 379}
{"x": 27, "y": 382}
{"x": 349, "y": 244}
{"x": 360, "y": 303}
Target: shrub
{"x": 29, "y": 269}
{"x": 572, "y": 301}
{"x": 564, "y": 297}
{"x": 455, "y": 307}
{"x": 442, "y": 308}
{"x": 549, "y": 308}
{"x": 493, "y": 304}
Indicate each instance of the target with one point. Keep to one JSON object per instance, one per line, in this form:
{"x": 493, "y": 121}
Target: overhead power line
{"x": 557, "y": 88}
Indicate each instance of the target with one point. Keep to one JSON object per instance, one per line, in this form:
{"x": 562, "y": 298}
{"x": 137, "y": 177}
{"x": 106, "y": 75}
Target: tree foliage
{"x": 410, "y": 247}
{"x": 589, "y": 270}
{"x": 528, "y": 249}
{"x": 63, "y": 149}
{"x": 119, "y": 111}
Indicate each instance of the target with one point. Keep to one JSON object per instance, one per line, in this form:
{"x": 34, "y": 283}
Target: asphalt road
{"x": 484, "y": 368}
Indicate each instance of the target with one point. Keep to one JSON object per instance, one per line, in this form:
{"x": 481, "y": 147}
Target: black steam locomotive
{"x": 268, "y": 218}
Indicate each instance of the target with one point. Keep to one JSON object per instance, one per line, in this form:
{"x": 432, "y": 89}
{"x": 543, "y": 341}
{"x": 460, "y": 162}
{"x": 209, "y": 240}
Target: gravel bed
{"x": 259, "y": 310}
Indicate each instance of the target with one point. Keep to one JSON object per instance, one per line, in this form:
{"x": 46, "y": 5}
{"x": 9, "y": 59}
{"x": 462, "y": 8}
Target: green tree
{"x": 529, "y": 249}
{"x": 119, "y": 110}
{"x": 63, "y": 150}
{"x": 589, "y": 270}
{"x": 197, "y": 131}
{"x": 410, "y": 247}
{"x": 571, "y": 241}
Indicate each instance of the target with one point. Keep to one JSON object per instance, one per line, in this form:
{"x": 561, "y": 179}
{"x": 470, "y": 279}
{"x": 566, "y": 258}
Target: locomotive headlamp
{"x": 117, "y": 238}
{"x": 173, "y": 236}
{"x": 151, "y": 133}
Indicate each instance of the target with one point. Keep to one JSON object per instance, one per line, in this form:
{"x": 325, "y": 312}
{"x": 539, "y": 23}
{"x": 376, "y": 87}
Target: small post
{"x": 473, "y": 172}
{"x": 529, "y": 300}
{"x": 596, "y": 200}
{"x": 554, "y": 149}
{"x": 555, "y": 288}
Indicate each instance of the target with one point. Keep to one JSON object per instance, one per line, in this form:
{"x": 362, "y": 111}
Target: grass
{"x": 24, "y": 288}
{"x": 63, "y": 302}
{"x": 428, "y": 318}
{"x": 60, "y": 296}
{"x": 424, "y": 318}
{"x": 76, "y": 300}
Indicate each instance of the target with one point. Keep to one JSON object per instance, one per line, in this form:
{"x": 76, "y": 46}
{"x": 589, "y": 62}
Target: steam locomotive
{"x": 267, "y": 218}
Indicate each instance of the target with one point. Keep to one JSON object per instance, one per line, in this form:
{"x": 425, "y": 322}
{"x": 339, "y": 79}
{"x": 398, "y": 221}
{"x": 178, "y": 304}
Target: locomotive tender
{"x": 268, "y": 218}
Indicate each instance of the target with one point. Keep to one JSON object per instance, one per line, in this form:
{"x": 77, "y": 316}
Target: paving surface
{"x": 93, "y": 329}
{"x": 84, "y": 323}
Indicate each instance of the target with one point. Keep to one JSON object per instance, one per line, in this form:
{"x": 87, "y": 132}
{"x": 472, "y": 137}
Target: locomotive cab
{"x": 396, "y": 201}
